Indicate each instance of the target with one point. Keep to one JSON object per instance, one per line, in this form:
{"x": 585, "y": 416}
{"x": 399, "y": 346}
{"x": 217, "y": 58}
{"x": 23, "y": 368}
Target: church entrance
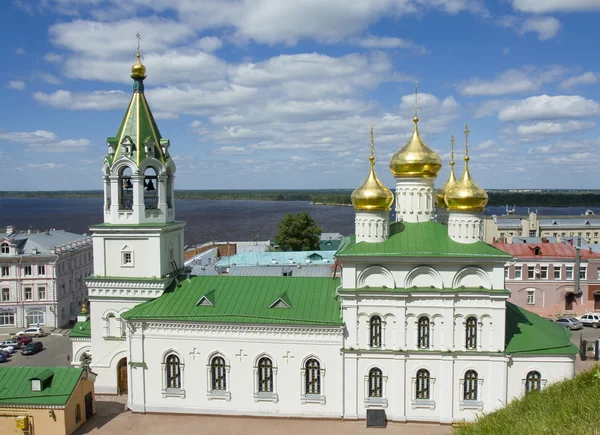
{"x": 569, "y": 300}
{"x": 122, "y": 376}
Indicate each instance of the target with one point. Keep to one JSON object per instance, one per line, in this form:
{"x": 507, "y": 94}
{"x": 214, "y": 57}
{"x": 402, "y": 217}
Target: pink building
{"x": 543, "y": 278}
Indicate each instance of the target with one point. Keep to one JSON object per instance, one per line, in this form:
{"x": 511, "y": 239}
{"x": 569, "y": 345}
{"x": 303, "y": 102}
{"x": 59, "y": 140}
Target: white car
{"x": 590, "y": 319}
{"x": 32, "y": 332}
{"x": 7, "y": 348}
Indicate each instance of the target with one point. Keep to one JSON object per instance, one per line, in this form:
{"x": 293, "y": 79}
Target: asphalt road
{"x": 57, "y": 352}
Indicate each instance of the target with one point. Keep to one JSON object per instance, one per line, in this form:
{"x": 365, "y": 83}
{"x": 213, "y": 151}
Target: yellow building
{"x": 45, "y": 400}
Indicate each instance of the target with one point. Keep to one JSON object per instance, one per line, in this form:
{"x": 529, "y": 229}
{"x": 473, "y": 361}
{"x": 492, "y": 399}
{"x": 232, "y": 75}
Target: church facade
{"x": 418, "y": 325}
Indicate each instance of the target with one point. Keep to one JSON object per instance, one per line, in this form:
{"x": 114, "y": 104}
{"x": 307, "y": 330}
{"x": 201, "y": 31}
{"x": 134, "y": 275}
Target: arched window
{"x": 423, "y": 332}
{"x": 150, "y": 189}
{"x": 173, "y": 367}
{"x": 533, "y": 381}
{"x": 218, "y": 374}
{"x": 423, "y": 384}
{"x": 313, "y": 377}
{"x": 375, "y": 331}
{"x": 265, "y": 375}
{"x": 470, "y": 385}
{"x": 5, "y": 248}
{"x": 126, "y": 189}
{"x": 471, "y": 333}
{"x": 375, "y": 382}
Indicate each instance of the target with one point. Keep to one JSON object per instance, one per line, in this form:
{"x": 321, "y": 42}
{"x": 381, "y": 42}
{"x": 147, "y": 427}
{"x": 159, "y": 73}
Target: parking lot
{"x": 56, "y": 352}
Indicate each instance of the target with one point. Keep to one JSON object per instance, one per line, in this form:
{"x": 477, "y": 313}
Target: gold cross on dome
{"x": 137, "y": 35}
{"x": 452, "y": 149}
{"x": 467, "y": 131}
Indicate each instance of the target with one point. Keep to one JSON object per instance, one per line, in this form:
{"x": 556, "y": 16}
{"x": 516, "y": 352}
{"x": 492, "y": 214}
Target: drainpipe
{"x": 578, "y": 292}
{"x": 19, "y": 291}
{"x": 53, "y": 289}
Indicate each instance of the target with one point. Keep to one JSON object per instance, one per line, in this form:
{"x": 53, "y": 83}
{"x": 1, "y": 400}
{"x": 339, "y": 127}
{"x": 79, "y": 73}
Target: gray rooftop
{"x": 44, "y": 243}
{"x": 304, "y": 271}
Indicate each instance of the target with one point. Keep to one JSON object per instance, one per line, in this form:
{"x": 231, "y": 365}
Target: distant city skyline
{"x": 253, "y": 95}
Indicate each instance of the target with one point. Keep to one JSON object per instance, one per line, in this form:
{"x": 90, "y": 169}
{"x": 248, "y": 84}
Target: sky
{"x": 266, "y": 94}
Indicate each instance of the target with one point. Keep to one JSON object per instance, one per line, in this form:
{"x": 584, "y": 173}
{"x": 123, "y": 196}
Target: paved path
{"x": 112, "y": 418}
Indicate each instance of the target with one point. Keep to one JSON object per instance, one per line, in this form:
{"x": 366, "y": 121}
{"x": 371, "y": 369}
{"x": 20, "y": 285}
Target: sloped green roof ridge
{"x": 246, "y": 299}
{"x": 16, "y": 385}
{"x": 528, "y": 333}
{"x": 81, "y": 330}
{"x": 424, "y": 239}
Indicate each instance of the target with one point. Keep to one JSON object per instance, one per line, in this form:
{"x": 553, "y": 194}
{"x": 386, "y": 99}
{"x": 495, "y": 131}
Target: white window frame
{"x": 2, "y": 295}
{"x": 476, "y": 404}
{"x": 530, "y": 272}
{"x": 218, "y": 394}
{"x": 124, "y": 253}
{"x": 10, "y": 315}
{"x": 312, "y": 398}
{"x": 524, "y": 380}
{"x": 5, "y": 248}
{"x": 543, "y": 272}
{"x": 27, "y": 271}
{"x": 559, "y": 270}
{"x": 5, "y": 270}
{"x": 530, "y": 292}
{"x": 376, "y": 402}
{"x": 263, "y": 396}
{"x": 45, "y": 295}
{"x": 41, "y": 269}
{"x": 423, "y": 403}
{"x": 569, "y": 271}
{"x": 25, "y": 298}
{"x": 583, "y": 272}
{"x": 173, "y": 392}
{"x": 598, "y": 274}
{"x": 506, "y": 272}
{"x": 519, "y": 272}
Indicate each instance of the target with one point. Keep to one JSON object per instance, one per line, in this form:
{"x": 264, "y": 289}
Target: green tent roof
{"x": 246, "y": 299}
{"x": 81, "y": 330}
{"x": 528, "y": 333}
{"x": 425, "y": 239}
{"x": 58, "y": 383}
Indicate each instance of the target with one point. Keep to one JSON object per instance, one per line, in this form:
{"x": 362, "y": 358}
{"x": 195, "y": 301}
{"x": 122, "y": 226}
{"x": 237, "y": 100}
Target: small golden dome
{"x": 415, "y": 159}
{"x": 138, "y": 71}
{"x": 441, "y": 192}
{"x": 372, "y": 195}
{"x": 466, "y": 195}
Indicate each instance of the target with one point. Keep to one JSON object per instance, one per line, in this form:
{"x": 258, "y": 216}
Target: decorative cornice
{"x": 127, "y": 288}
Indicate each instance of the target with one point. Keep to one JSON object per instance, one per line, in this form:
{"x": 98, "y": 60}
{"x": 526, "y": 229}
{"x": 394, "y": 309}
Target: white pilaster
{"x": 465, "y": 227}
{"x": 414, "y": 199}
{"x": 371, "y": 226}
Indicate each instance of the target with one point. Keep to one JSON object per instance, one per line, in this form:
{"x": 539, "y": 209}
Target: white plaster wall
{"x": 464, "y": 227}
{"x": 414, "y": 199}
{"x": 551, "y": 368}
{"x": 372, "y": 226}
{"x": 195, "y": 347}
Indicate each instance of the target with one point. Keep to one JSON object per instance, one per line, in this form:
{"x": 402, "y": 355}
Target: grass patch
{"x": 570, "y": 407}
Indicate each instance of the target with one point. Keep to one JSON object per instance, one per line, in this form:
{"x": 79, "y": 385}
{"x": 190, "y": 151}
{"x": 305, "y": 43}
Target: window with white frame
{"x": 544, "y": 272}
{"x": 35, "y": 318}
{"x": 5, "y": 248}
{"x": 28, "y": 294}
{"x": 5, "y": 270}
{"x": 173, "y": 376}
{"x": 41, "y": 270}
{"x": 423, "y": 332}
{"x": 7, "y": 319}
{"x": 5, "y": 294}
{"x": 471, "y": 333}
{"x": 583, "y": 272}
{"x": 173, "y": 367}
{"x": 422, "y": 390}
{"x": 312, "y": 381}
{"x": 375, "y": 383}
{"x": 506, "y": 269}
{"x": 375, "y": 388}
{"x": 265, "y": 388}
{"x": 113, "y": 326}
{"x": 557, "y": 272}
{"x": 27, "y": 271}
{"x": 598, "y": 277}
{"x": 533, "y": 381}
{"x": 518, "y": 272}
{"x": 127, "y": 257}
{"x": 530, "y": 272}
{"x": 41, "y": 293}
{"x": 375, "y": 324}
{"x": 569, "y": 274}
{"x": 218, "y": 383}
{"x": 530, "y": 297}
{"x": 470, "y": 385}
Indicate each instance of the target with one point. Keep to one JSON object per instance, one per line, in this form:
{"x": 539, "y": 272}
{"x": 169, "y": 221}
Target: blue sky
{"x": 254, "y": 95}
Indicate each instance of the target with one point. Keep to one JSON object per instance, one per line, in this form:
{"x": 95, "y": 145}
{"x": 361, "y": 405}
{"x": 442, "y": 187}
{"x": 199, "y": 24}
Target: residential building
{"x": 42, "y": 277}
{"x": 330, "y": 241}
{"x": 503, "y": 228}
{"x": 417, "y": 327}
{"x": 45, "y": 400}
{"x": 547, "y": 279}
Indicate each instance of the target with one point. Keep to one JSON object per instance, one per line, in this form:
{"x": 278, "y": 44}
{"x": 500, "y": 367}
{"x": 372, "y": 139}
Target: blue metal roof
{"x": 277, "y": 258}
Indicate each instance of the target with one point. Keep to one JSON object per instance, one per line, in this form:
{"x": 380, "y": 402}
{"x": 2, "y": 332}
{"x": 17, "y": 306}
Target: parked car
{"x": 3, "y": 357}
{"x": 23, "y": 339}
{"x": 5, "y": 352}
{"x": 7, "y": 348}
{"x": 31, "y": 332}
{"x": 590, "y": 319}
{"x": 32, "y": 348}
{"x": 570, "y": 323}
{"x": 14, "y": 343}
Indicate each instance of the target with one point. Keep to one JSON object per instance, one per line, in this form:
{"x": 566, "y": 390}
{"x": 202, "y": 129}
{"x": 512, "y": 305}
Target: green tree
{"x": 298, "y": 233}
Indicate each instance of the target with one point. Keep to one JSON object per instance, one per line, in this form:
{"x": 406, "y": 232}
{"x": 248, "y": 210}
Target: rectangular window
{"x": 7, "y": 319}
{"x": 596, "y": 234}
{"x": 598, "y": 274}
{"x": 530, "y": 297}
{"x": 5, "y": 294}
{"x": 532, "y": 233}
{"x": 28, "y": 294}
{"x": 556, "y": 272}
{"x": 126, "y": 258}
{"x": 501, "y": 235}
{"x": 518, "y": 272}
{"x": 5, "y": 270}
{"x": 506, "y": 273}
{"x": 41, "y": 293}
{"x": 569, "y": 272}
{"x": 27, "y": 270}
{"x": 530, "y": 272}
{"x": 544, "y": 272}
{"x": 582, "y": 272}
{"x": 41, "y": 270}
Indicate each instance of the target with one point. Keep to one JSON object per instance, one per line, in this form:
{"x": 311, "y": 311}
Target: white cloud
{"x": 97, "y": 100}
{"x": 50, "y": 78}
{"x": 49, "y": 165}
{"x": 45, "y": 141}
{"x": 549, "y": 107}
{"x": 545, "y": 6}
{"x": 53, "y": 57}
{"x": 20, "y": 50}
{"x": 233, "y": 151}
{"x": 553, "y": 128}
{"x": 512, "y": 81}
{"x": 545, "y": 27}
{"x": 209, "y": 44}
{"x": 588, "y": 78}
{"x": 387, "y": 42}
{"x": 16, "y": 84}
{"x": 486, "y": 145}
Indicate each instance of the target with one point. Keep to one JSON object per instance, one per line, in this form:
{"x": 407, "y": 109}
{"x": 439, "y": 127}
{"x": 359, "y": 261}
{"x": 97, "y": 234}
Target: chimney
{"x": 10, "y": 229}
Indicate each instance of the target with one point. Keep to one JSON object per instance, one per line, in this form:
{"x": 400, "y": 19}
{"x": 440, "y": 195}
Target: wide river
{"x": 206, "y": 219}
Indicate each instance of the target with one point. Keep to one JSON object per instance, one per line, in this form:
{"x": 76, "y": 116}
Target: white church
{"x": 418, "y": 325}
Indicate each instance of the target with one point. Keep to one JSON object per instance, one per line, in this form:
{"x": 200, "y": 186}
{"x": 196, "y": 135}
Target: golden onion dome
{"x": 138, "y": 71}
{"x": 415, "y": 159}
{"x": 372, "y": 195}
{"x": 441, "y": 192}
{"x": 466, "y": 195}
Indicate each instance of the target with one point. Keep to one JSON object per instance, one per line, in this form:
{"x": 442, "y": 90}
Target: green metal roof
{"x": 58, "y": 383}
{"x": 81, "y": 330}
{"x": 425, "y": 239}
{"x": 528, "y": 333}
{"x": 246, "y": 299}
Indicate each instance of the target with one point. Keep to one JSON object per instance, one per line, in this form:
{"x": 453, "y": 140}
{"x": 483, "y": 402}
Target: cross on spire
{"x": 452, "y": 151}
{"x": 416, "y": 97}
{"x": 372, "y": 158}
{"x": 467, "y": 131}
{"x": 139, "y": 38}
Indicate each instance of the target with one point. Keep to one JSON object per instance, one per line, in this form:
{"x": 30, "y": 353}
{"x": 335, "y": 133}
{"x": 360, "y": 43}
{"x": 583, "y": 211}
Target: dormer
{"x": 149, "y": 146}
{"x": 111, "y": 143}
{"x": 4, "y": 248}
{"x": 536, "y": 250}
{"x": 165, "y": 144}
{"x": 128, "y": 146}
{"x": 42, "y": 381}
